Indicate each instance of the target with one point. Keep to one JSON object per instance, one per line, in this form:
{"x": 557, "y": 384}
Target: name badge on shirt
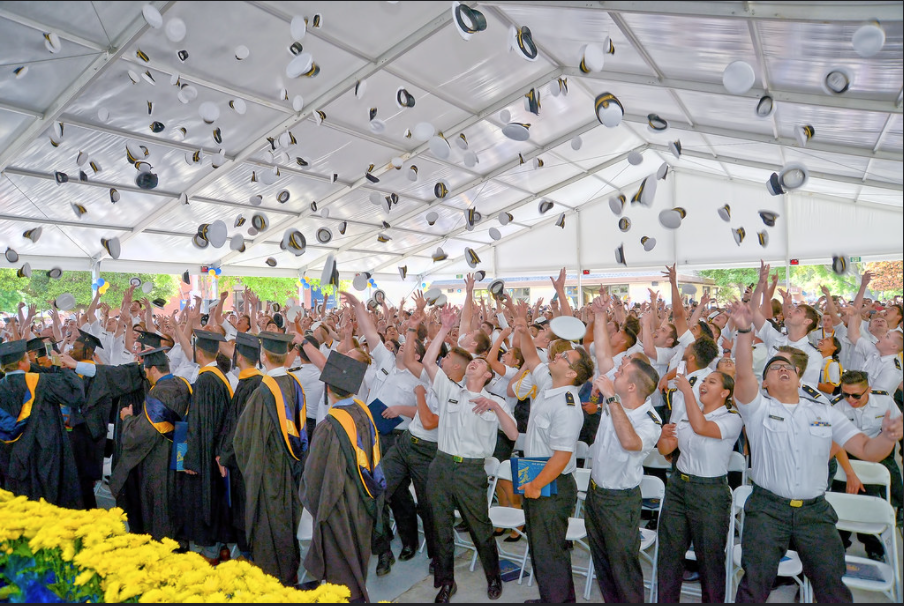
{"x": 776, "y": 418}
{"x": 451, "y": 401}
{"x": 385, "y": 372}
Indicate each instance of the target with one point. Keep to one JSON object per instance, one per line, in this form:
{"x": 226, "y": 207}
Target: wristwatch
{"x": 613, "y": 399}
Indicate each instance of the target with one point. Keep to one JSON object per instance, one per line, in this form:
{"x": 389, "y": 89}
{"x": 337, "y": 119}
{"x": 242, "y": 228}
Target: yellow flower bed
{"x": 93, "y": 552}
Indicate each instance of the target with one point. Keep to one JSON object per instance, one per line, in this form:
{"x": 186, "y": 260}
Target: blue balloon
{"x": 423, "y": 285}
{"x": 219, "y": 271}
{"x": 100, "y": 282}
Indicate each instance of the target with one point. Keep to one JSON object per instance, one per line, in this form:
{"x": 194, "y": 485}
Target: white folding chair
{"x": 790, "y": 565}
{"x": 582, "y": 479}
{"x": 651, "y": 487}
{"x": 577, "y": 533}
{"x": 655, "y": 460}
{"x": 582, "y": 451}
{"x": 491, "y": 466}
{"x": 738, "y": 463}
{"x": 507, "y": 518}
{"x": 870, "y": 474}
{"x": 305, "y": 534}
{"x": 870, "y": 515}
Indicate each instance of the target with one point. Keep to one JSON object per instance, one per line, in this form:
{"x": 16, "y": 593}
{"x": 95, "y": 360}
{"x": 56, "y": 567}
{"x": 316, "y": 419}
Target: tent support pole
{"x": 577, "y": 221}
{"x": 787, "y": 204}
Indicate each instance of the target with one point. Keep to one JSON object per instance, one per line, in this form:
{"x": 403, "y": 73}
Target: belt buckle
{"x": 685, "y": 478}
{"x": 593, "y": 484}
{"x": 796, "y": 503}
{"x": 458, "y": 459}
{"x": 414, "y": 440}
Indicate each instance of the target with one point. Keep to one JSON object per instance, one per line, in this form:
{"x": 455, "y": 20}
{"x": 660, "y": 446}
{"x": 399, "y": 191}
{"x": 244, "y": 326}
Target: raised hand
{"x": 559, "y": 283}
{"x": 741, "y": 315}
{"x": 668, "y": 273}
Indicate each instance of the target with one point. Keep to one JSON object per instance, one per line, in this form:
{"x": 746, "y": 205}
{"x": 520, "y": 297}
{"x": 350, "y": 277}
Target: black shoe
{"x": 511, "y": 539}
{"x": 875, "y": 556}
{"x": 445, "y": 593}
{"x": 569, "y": 545}
{"x": 461, "y": 526}
{"x": 407, "y": 553}
{"x": 384, "y": 566}
{"x": 308, "y": 586}
{"x": 432, "y": 566}
{"x": 691, "y": 576}
{"x": 494, "y": 588}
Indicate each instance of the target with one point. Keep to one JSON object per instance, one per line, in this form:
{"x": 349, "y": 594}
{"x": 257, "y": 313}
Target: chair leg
{"x": 590, "y": 575}
{"x": 474, "y": 561}
{"x": 523, "y": 566}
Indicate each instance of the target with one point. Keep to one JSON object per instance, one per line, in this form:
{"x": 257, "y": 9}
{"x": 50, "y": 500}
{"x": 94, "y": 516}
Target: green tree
{"x": 888, "y": 278}
{"x": 809, "y": 278}
{"x": 272, "y": 289}
{"x": 39, "y": 289}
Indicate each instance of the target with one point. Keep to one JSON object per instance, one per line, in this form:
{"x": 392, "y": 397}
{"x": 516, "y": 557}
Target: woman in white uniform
{"x": 697, "y": 505}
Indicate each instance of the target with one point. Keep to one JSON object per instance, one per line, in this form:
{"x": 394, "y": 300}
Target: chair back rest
{"x": 652, "y": 487}
{"x": 738, "y": 463}
{"x": 739, "y": 498}
{"x": 861, "y": 508}
{"x": 505, "y": 471}
{"x": 491, "y": 466}
{"x": 582, "y": 479}
{"x": 582, "y": 451}
{"x": 655, "y": 460}
{"x": 869, "y": 474}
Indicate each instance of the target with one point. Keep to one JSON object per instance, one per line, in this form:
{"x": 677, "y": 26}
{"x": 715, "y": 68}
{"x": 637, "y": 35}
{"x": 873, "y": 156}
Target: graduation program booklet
{"x": 180, "y": 446}
{"x": 526, "y": 470}
{"x": 383, "y": 425}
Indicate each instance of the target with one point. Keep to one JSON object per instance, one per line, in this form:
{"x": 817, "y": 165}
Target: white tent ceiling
{"x": 669, "y": 58}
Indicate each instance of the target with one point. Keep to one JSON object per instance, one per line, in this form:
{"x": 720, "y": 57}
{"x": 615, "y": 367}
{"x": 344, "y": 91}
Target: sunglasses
{"x": 856, "y": 396}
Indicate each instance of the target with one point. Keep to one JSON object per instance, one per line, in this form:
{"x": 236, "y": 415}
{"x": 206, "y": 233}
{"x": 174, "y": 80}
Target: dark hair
{"x": 837, "y": 345}
{"x": 632, "y": 323}
{"x": 673, "y": 334}
{"x": 854, "y": 377}
{"x": 728, "y": 383}
{"x": 584, "y": 367}
{"x": 643, "y": 376}
{"x": 705, "y": 350}
{"x": 223, "y": 363}
{"x": 483, "y": 344}
{"x": 900, "y": 310}
{"x": 705, "y": 329}
{"x": 419, "y": 348}
{"x": 776, "y": 307}
{"x": 812, "y": 315}
{"x": 630, "y": 336}
{"x": 798, "y": 358}
{"x": 163, "y": 368}
{"x": 461, "y": 353}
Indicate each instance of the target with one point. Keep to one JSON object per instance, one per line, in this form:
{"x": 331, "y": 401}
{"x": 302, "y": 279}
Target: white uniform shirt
{"x": 695, "y": 379}
{"x": 774, "y": 339}
{"x": 524, "y": 387}
{"x": 850, "y": 357}
{"x": 684, "y": 341}
{"x": 416, "y": 428}
{"x": 392, "y": 385}
{"x": 884, "y": 372}
{"x": 790, "y": 450}
{"x": 555, "y": 419}
{"x": 309, "y": 375}
{"x": 499, "y": 385}
{"x": 462, "y": 432}
{"x": 868, "y": 418}
{"x": 614, "y": 467}
{"x": 703, "y": 456}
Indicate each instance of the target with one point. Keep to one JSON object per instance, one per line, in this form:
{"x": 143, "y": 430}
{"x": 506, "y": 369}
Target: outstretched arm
{"x": 559, "y": 285}
{"x": 746, "y": 386}
{"x": 448, "y": 320}
{"x": 604, "y": 361}
{"x": 679, "y": 314}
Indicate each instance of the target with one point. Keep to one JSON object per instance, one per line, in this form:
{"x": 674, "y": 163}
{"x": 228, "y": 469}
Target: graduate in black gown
{"x": 247, "y": 356}
{"x": 143, "y": 482}
{"x": 203, "y": 498}
{"x": 36, "y": 458}
{"x": 270, "y": 440}
{"x": 343, "y": 483}
{"x": 88, "y": 422}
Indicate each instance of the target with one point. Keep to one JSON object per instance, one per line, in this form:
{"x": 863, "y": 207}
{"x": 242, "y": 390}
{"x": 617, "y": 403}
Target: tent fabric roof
{"x": 669, "y": 59}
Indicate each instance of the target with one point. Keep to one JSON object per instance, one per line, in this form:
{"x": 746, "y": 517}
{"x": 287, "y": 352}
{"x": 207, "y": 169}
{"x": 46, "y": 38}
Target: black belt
{"x": 594, "y": 486}
{"x": 698, "y": 480}
{"x": 455, "y": 459}
{"x": 415, "y": 440}
{"x": 771, "y": 496}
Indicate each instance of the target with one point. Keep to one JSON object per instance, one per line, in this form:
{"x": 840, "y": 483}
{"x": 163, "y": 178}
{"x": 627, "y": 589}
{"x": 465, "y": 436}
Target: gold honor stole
{"x": 10, "y": 430}
{"x": 371, "y": 477}
{"x": 220, "y": 374}
{"x": 159, "y": 416}
{"x": 290, "y": 426}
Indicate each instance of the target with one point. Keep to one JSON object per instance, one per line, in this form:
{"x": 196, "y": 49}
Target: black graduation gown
{"x": 272, "y": 481}
{"x": 40, "y": 464}
{"x": 226, "y": 452}
{"x": 341, "y": 546}
{"x": 142, "y": 482}
{"x": 89, "y": 422}
{"x": 203, "y": 506}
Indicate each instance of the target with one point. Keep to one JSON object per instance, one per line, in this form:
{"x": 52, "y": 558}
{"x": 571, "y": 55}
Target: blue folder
{"x": 383, "y": 425}
{"x": 180, "y": 446}
{"x": 526, "y": 470}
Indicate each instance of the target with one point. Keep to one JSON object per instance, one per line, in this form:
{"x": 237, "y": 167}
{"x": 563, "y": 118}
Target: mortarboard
{"x": 343, "y": 372}
{"x": 154, "y": 357}
{"x": 208, "y": 341}
{"x": 276, "y": 342}
{"x": 89, "y": 340}
{"x": 12, "y": 351}
{"x": 248, "y": 345}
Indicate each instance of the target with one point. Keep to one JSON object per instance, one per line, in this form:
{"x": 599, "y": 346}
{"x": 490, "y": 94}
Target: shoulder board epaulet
{"x": 898, "y": 363}
{"x": 811, "y": 392}
{"x": 653, "y": 416}
{"x": 692, "y": 381}
{"x": 732, "y": 411}
{"x": 879, "y": 392}
{"x": 569, "y": 398}
{"x": 836, "y": 400}
{"x": 813, "y": 346}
